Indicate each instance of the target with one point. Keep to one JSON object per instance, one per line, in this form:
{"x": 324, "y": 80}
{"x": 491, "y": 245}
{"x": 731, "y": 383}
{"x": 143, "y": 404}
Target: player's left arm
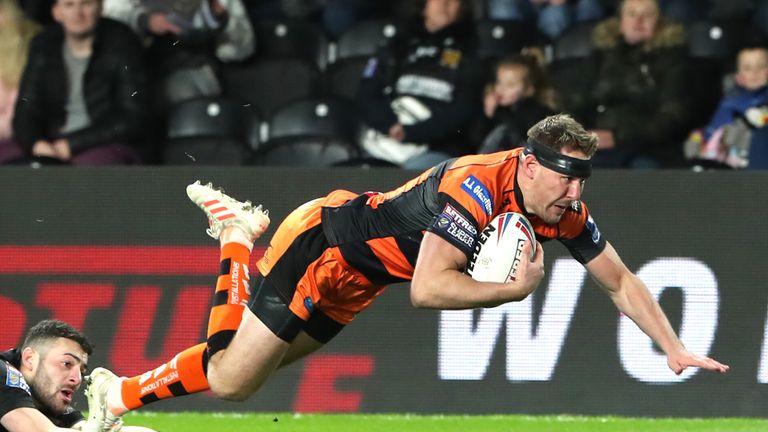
{"x": 633, "y": 298}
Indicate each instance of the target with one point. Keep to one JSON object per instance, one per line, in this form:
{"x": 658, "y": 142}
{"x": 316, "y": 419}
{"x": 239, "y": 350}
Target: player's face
{"x": 553, "y": 192}
{"x": 58, "y": 375}
{"x": 78, "y": 17}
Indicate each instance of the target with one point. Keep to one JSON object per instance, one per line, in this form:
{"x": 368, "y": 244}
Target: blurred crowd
{"x": 408, "y": 83}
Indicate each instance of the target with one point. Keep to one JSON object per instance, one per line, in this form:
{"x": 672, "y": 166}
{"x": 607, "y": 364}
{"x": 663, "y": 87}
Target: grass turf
{"x": 230, "y": 422}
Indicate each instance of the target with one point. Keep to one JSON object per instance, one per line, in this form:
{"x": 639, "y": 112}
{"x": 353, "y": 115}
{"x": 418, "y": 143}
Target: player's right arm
{"x": 27, "y": 419}
{"x": 439, "y": 281}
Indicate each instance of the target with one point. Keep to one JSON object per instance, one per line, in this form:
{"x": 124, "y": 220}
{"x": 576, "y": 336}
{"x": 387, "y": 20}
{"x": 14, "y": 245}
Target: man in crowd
{"x": 636, "y": 78}
{"x": 83, "y": 91}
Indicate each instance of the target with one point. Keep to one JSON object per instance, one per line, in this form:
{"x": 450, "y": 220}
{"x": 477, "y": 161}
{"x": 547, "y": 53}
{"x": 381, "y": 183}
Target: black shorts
{"x": 273, "y": 311}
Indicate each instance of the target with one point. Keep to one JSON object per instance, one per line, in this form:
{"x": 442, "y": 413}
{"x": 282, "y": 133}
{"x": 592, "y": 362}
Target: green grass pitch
{"x": 187, "y": 421}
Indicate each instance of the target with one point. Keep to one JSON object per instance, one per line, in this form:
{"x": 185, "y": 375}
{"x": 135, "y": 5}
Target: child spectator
{"x": 729, "y": 135}
{"x": 16, "y": 32}
{"x": 517, "y": 99}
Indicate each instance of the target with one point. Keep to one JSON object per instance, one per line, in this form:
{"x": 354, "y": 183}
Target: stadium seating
{"x": 209, "y": 131}
{"x": 709, "y": 40}
{"x": 311, "y": 132}
{"x": 268, "y": 84}
{"x": 575, "y": 43}
{"x": 306, "y": 154}
{"x": 570, "y": 54}
{"x": 711, "y": 48}
{"x": 404, "y": 10}
{"x": 497, "y": 38}
{"x": 364, "y": 38}
{"x": 292, "y": 39}
{"x": 351, "y": 53}
{"x": 478, "y": 9}
{"x": 343, "y": 78}
{"x": 296, "y": 62}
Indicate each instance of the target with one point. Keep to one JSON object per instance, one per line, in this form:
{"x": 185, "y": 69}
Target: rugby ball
{"x": 498, "y": 250}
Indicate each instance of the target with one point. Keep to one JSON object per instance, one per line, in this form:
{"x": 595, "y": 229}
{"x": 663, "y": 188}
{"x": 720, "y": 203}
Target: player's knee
{"x": 231, "y": 390}
{"x": 226, "y": 383}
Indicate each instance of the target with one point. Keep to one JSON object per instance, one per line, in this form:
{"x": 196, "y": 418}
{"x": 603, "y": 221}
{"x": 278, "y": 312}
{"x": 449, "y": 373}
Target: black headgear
{"x": 566, "y": 165}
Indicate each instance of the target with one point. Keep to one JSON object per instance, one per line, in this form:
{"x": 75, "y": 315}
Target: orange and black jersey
{"x": 379, "y": 233}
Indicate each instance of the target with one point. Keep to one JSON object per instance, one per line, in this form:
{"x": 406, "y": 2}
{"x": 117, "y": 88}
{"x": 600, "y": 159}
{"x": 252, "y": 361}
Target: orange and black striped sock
{"x": 230, "y": 298}
{"x": 186, "y": 372}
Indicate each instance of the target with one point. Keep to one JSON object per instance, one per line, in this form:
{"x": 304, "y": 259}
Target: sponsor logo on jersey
{"x": 593, "y": 229}
{"x": 461, "y": 235}
{"x": 14, "y": 378}
{"x": 443, "y": 221}
{"x": 456, "y": 226}
{"x": 459, "y": 219}
{"x": 308, "y": 304}
{"x": 477, "y": 190}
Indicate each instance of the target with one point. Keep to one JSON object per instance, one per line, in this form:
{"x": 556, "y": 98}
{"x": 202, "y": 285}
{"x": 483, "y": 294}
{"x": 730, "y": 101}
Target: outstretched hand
{"x": 683, "y": 359}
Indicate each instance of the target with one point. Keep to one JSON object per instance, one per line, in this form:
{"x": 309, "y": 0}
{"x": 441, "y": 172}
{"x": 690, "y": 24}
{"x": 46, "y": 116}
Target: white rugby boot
{"x": 223, "y": 211}
{"x": 100, "y": 418}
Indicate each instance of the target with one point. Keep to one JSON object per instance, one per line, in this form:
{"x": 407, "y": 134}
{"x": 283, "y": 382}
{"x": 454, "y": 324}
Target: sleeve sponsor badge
{"x": 14, "y": 378}
{"x": 593, "y": 230}
{"x": 479, "y": 192}
{"x": 456, "y": 226}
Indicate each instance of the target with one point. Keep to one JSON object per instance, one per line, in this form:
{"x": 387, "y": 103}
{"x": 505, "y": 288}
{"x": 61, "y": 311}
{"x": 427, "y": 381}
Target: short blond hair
{"x": 562, "y": 131}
